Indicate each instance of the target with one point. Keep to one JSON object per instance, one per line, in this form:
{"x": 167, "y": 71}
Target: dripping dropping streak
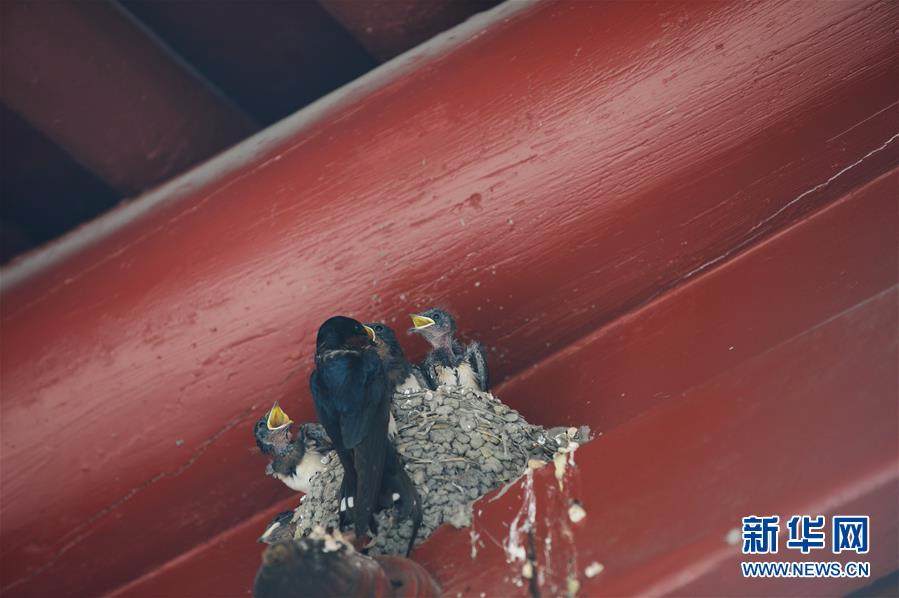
{"x": 533, "y": 582}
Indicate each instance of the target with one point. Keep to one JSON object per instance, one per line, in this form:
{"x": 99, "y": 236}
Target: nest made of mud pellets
{"x": 457, "y": 445}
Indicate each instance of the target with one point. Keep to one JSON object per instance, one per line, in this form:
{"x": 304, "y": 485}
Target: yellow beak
{"x": 370, "y": 332}
{"x": 277, "y": 418}
{"x": 421, "y": 321}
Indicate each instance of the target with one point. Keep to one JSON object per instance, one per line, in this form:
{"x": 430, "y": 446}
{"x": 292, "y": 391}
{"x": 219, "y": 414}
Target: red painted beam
{"x": 98, "y": 84}
{"x": 223, "y": 566}
{"x": 540, "y": 191}
{"x": 664, "y": 492}
{"x": 754, "y": 301}
{"x": 760, "y": 428}
{"x": 793, "y": 282}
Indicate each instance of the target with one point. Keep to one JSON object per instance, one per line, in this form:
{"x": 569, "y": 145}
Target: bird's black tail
{"x": 397, "y": 482}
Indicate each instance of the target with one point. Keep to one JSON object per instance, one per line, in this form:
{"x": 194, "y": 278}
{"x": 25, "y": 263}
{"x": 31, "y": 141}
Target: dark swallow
{"x": 352, "y": 400}
{"x": 402, "y": 376}
{"x": 294, "y": 462}
{"x": 450, "y": 362}
{"x": 399, "y": 490}
{"x": 281, "y": 528}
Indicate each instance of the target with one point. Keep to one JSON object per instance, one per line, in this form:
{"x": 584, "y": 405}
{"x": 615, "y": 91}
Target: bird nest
{"x": 457, "y": 445}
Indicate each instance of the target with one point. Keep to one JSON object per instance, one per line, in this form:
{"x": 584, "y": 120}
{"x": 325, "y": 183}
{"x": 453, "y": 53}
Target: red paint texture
{"x": 99, "y": 85}
{"x": 762, "y": 431}
{"x": 543, "y": 174}
{"x": 748, "y": 429}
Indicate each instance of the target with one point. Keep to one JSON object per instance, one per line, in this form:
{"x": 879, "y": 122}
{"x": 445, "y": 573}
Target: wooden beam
{"x": 542, "y": 170}
{"x": 103, "y": 88}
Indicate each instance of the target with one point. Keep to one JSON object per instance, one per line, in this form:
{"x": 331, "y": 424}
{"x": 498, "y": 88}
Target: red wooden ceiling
{"x": 669, "y": 220}
{"x": 128, "y": 94}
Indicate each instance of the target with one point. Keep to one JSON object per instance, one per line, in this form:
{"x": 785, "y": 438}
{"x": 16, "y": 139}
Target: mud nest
{"x": 457, "y": 445}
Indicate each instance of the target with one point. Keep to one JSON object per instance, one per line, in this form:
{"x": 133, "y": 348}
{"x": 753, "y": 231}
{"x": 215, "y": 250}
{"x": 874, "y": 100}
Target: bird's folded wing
{"x": 474, "y": 354}
{"x": 364, "y": 401}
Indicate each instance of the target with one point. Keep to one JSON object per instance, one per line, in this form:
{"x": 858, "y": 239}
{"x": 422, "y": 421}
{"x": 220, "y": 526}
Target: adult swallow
{"x": 352, "y": 394}
{"x": 352, "y": 400}
{"x": 294, "y": 462}
{"x": 399, "y": 490}
{"x": 401, "y": 376}
{"x": 450, "y": 362}
{"x": 281, "y": 528}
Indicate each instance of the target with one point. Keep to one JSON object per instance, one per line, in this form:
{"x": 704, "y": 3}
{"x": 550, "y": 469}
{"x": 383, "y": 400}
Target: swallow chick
{"x": 450, "y": 362}
{"x": 281, "y": 528}
{"x": 402, "y": 376}
{"x": 294, "y": 462}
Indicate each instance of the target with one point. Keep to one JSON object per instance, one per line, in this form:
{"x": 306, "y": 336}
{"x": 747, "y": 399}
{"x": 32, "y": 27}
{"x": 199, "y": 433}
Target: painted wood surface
{"x": 96, "y": 82}
{"x": 543, "y": 170}
{"x": 764, "y": 426}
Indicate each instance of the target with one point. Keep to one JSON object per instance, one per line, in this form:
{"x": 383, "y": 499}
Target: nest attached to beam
{"x": 457, "y": 445}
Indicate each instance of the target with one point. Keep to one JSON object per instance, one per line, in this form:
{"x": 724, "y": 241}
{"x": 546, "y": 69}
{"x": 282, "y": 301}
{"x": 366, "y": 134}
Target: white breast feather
{"x": 466, "y": 377}
{"x": 411, "y": 384}
{"x": 299, "y": 481}
{"x": 445, "y": 375}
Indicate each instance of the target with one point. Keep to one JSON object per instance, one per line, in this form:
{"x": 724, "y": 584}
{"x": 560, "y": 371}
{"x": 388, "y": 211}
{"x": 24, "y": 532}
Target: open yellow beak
{"x": 370, "y": 332}
{"x": 421, "y": 321}
{"x": 277, "y": 418}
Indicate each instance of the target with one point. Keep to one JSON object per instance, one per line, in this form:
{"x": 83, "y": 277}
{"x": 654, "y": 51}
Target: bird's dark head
{"x": 385, "y": 340}
{"x": 273, "y": 430}
{"x": 436, "y": 325}
{"x": 340, "y": 332}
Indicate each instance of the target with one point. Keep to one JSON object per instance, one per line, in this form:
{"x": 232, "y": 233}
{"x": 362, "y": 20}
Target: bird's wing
{"x": 429, "y": 371}
{"x": 397, "y": 481}
{"x": 324, "y": 407}
{"x": 319, "y": 437}
{"x": 474, "y": 354}
{"x": 363, "y": 400}
{"x": 369, "y": 454}
{"x": 420, "y": 376}
{"x": 286, "y": 465}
